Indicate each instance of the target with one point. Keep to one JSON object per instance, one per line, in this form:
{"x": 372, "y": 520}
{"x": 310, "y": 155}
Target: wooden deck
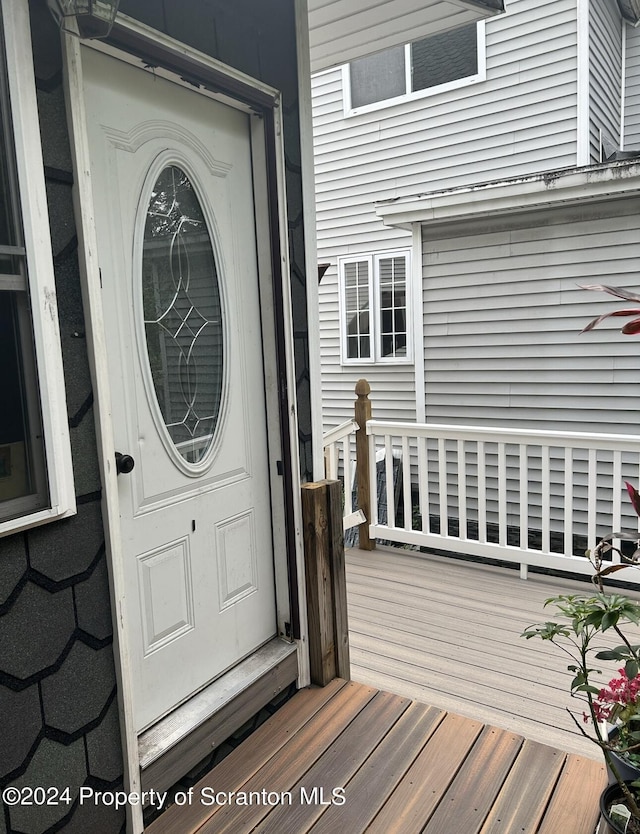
{"x": 447, "y": 632}
{"x": 393, "y": 765}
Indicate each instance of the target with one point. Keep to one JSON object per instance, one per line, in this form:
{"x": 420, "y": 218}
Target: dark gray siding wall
{"x": 58, "y": 710}
{"x": 258, "y": 38}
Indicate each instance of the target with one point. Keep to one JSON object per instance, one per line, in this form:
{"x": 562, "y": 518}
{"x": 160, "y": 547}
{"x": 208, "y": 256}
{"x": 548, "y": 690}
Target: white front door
{"x": 172, "y": 185}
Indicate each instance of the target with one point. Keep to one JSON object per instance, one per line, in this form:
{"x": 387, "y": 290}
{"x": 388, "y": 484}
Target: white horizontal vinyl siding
{"x": 632, "y": 90}
{"x": 520, "y": 120}
{"x": 605, "y": 74}
{"x": 503, "y": 315}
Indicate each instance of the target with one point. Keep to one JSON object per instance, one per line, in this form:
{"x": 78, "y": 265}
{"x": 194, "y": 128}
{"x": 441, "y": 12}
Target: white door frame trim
{"x": 97, "y": 349}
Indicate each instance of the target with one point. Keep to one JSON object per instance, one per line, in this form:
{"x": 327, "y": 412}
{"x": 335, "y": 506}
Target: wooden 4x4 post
{"x": 326, "y": 582}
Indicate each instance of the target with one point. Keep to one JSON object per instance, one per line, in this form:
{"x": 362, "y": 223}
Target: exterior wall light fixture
{"x": 85, "y": 18}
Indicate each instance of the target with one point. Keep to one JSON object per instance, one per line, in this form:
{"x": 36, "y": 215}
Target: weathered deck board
{"x": 340, "y": 762}
{"x": 375, "y": 781}
{"x": 578, "y": 778}
{"x": 433, "y": 771}
{"x": 246, "y": 760}
{"x": 298, "y": 755}
{"x": 404, "y": 767}
{"x": 526, "y": 791}
{"x": 447, "y": 632}
{"x": 477, "y": 784}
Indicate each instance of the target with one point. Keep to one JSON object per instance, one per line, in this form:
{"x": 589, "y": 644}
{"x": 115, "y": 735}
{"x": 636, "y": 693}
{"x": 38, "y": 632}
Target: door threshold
{"x": 176, "y": 743}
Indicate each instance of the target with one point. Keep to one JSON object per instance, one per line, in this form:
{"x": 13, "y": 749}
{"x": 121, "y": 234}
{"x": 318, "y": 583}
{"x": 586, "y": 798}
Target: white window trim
{"x": 459, "y": 83}
{"x": 39, "y": 259}
{"x": 374, "y": 312}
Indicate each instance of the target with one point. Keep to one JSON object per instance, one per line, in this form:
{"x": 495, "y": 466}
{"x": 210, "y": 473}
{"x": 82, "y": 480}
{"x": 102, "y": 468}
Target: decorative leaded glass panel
{"x": 182, "y": 314}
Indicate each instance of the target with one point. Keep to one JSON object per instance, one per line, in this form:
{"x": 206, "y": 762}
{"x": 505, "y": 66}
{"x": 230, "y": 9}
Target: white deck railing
{"x": 529, "y": 497}
{"x": 339, "y": 464}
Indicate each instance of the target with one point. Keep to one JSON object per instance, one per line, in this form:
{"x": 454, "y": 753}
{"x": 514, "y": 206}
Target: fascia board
{"x": 522, "y": 194}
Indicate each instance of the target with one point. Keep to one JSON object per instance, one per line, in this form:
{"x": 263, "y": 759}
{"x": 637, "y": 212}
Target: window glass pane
{"x": 357, "y": 304}
{"x": 22, "y": 458}
{"x": 21, "y": 451}
{"x": 182, "y": 314}
{"x": 7, "y": 204}
{"x": 378, "y": 77}
{"x": 7, "y": 235}
{"x": 392, "y": 275}
{"x": 444, "y": 57}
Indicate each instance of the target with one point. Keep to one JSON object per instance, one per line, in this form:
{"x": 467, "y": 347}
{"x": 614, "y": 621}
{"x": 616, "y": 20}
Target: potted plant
{"x": 583, "y": 618}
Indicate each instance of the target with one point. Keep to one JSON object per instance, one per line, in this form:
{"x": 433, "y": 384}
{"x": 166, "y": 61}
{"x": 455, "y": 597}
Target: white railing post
{"x": 335, "y": 440}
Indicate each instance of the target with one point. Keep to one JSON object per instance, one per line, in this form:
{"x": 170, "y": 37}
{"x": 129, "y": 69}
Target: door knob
{"x": 124, "y": 463}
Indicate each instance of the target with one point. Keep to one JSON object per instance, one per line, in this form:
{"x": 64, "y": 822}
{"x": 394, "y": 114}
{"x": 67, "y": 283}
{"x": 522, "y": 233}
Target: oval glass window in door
{"x": 182, "y": 314}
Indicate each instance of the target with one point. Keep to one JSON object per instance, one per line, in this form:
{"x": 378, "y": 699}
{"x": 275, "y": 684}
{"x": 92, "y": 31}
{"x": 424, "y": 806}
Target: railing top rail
{"x": 339, "y": 432}
{"x": 622, "y": 442}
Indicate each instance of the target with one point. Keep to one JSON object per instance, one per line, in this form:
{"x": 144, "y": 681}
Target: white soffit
{"x": 341, "y": 30}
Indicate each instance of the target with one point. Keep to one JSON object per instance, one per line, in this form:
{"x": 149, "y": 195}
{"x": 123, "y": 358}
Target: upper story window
{"x": 374, "y": 304}
{"x": 434, "y": 64}
{"x": 35, "y": 463}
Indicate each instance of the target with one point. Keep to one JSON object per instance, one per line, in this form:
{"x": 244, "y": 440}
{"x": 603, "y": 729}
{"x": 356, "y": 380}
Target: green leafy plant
{"x": 577, "y": 633}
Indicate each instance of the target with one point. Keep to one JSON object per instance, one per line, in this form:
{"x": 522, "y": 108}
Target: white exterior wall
{"x": 503, "y": 315}
{"x": 520, "y": 120}
{"x": 605, "y": 74}
{"x": 393, "y": 385}
{"x": 632, "y": 90}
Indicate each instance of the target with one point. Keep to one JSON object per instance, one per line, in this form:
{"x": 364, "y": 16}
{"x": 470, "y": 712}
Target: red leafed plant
{"x": 631, "y": 328}
{"x": 598, "y": 556}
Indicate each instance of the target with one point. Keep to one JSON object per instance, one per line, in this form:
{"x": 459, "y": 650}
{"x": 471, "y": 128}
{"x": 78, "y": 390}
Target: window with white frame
{"x": 432, "y": 64}
{"x": 35, "y": 462}
{"x": 374, "y": 304}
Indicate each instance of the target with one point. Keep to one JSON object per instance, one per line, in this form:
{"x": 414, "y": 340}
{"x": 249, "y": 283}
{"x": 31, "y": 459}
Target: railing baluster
{"x": 568, "y": 501}
{"x": 347, "y": 470}
{"x": 388, "y": 471}
{"x": 616, "y": 500}
{"x": 524, "y": 495}
{"x": 462, "y": 491}
{"x": 406, "y": 482}
{"x": 482, "y": 493}
{"x": 545, "y": 455}
{"x": 373, "y": 482}
{"x": 502, "y": 494}
{"x": 423, "y": 484}
{"x": 333, "y": 462}
{"x": 592, "y": 494}
{"x": 442, "y": 487}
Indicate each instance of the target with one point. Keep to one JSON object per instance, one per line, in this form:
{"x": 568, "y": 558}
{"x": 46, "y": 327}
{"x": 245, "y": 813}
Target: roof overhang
{"x": 594, "y": 183}
{"x": 341, "y": 30}
{"x": 630, "y": 11}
